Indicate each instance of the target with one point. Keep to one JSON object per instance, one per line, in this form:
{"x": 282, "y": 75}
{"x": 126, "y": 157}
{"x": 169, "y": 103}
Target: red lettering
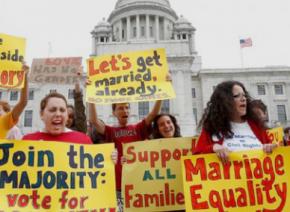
{"x": 190, "y": 169}
{"x": 4, "y": 77}
{"x": 176, "y": 154}
{"x": 127, "y": 63}
{"x": 194, "y": 198}
{"x": 128, "y": 197}
{"x": 73, "y": 203}
{"x": 165, "y": 156}
{"x": 12, "y": 199}
{"x": 258, "y": 171}
{"x": 131, "y": 155}
{"x": 268, "y": 169}
{"x": 215, "y": 200}
{"x": 154, "y": 156}
{"x": 279, "y": 164}
{"x": 92, "y": 70}
{"x": 237, "y": 167}
{"x": 104, "y": 67}
{"x": 113, "y": 63}
{"x": 215, "y": 173}
{"x": 46, "y": 202}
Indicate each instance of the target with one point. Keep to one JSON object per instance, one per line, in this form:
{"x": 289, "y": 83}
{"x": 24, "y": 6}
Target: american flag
{"x": 246, "y": 42}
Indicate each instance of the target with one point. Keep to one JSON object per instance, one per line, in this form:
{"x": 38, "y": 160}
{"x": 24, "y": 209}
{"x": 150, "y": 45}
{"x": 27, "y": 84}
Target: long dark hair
{"x": 156, "y": 133}
{"x": 220, "y": 109}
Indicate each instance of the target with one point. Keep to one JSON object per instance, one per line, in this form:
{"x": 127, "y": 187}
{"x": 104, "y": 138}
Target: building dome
{"x": 103, "y": 26}
{"x": 125, "y": 3}
{"x": 124, "y": 6}
{"x": 183, "y": 24}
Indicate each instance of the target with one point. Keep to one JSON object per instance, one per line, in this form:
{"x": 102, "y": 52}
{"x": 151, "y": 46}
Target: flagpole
{"x": 242, "y": 57}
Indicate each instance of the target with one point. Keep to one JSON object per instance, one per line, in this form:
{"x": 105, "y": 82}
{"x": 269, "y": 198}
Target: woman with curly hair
{"x": 165, "y": 126}
{"x": 227, "y": 124}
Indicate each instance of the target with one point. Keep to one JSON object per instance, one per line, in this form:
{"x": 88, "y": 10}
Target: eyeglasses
{"x": 239, "y": 96}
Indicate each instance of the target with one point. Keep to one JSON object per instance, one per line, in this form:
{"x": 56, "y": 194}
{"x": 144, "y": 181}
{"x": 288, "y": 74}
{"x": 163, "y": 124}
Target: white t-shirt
{"x": 243, "y": 138}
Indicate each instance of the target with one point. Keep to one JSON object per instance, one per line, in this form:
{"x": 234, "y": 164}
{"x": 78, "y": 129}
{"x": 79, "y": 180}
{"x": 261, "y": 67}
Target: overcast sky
{"x": 66, "y": 25}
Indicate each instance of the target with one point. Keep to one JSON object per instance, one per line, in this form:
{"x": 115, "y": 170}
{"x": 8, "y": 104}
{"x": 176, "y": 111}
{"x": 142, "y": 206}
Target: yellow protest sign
{"x": 129, "y": 77}
{"x": 252, "y": 181}
{"x": 55, "y": 176}
{"x": 12, "y": 52}
{"x": 276, "y": 135}
{"x": 151, "y": 177}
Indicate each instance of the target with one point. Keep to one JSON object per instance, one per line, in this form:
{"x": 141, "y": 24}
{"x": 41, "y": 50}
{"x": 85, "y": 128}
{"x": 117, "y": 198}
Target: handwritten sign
{"x": 252, "y": 181}
{"x": 55, "y": 176}
{"x": 276, "y": 135}
{"x": 55, "y": 70}
{"x": 151, "y": 177}
{"x": 129, "y": 77}
{"x": 12, "y": 52}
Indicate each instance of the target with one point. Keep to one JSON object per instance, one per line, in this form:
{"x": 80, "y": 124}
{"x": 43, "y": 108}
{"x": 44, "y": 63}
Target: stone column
{"x": 147, "y": 27}
{"x": 128, "y": 28}
{"x": 157, "y": 28}
{"x": 120, "y": 31}
{"x": 137, "y": 26}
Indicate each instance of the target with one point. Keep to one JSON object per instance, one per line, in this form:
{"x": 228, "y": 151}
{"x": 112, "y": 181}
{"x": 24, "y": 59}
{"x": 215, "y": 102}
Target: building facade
{"x": 146, "y": 24}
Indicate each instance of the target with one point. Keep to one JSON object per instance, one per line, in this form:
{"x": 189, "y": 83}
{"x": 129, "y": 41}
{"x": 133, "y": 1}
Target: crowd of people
{"x": 232, "y": 121}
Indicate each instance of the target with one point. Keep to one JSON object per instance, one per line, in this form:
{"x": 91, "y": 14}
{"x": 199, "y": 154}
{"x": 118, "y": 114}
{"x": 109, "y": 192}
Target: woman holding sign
{"x": 8, "y": 119}
{"x": 227, "y": 124}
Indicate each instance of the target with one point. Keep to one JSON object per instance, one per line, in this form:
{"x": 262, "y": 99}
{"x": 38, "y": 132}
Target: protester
{"x": 96, "y": 137}
{"x": 227, "y": 124}
{"x": 260, "y": 109}
{"x": 8, "y": 119}
{"x": 165, "y": 126}
{"x": 14, "y": 133}
{"x": 53, "y": 112}
{"x": 123, "y": 133}
{"x": 76, "y": 114}
{"x": 286, "y": 136}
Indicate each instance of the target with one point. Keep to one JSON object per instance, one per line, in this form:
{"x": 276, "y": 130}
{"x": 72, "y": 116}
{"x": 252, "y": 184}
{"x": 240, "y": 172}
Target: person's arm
{"x": 19, "y": 107}
{"x": 93, "y": 118}
{"x": 153, "y": 113}
{"x": 80, "y": 115}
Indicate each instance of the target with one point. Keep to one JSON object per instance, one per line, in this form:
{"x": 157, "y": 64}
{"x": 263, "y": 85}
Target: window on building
{"x": 70, "y": 94}
{"x": 279, "y": 89}
{"x": 134, "y": 32}
{"x": 13, "y": 95}
{"x": 184, "y": 36}
{"x": 143, "y": 31}
{"x": 178, "y": 37}
{"x": 102, "y": 40}
{"x": 193, "y": 92}
{"x": 165, "y": 106}
{"x": 31, "y": 94}
{"x": 52, "y": 91}
{"x": 143, "y": 109}
{"x": 195, "y": 114}
{"x": 261, "y": 89}
{"x": 28, "y": 118}
{"x": 281, "y": 111}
